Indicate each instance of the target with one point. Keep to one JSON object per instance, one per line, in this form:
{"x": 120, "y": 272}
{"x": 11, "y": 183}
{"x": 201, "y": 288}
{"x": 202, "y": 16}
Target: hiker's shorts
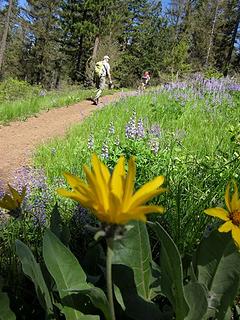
{"x": 100, "y": 83}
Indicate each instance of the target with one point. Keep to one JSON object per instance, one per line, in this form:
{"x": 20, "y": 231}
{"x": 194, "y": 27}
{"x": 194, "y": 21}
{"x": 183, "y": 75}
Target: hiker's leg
{"x": 97, "y": 81}
{"x": 98, "y": 94}
{"x": 100, "y": 87}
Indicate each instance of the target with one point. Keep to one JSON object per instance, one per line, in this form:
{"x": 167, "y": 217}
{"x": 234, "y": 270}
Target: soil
{"x": 19, "y": 139}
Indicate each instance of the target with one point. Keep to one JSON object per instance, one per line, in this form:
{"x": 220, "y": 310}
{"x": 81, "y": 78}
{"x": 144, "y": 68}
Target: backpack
{"x": 98, "y": 69}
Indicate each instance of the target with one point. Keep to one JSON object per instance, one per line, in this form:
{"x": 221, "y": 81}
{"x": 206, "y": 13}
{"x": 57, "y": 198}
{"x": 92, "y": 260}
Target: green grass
{"x": 198, "y": 155}
{"x": 25, "y": 108}
{"x": 205, "y": 132}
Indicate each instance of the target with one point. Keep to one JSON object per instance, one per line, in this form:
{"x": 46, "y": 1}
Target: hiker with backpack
{"x": 102, "y": 70}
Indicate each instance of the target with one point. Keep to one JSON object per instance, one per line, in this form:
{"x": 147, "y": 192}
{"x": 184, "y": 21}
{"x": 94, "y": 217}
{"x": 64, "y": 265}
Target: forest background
{"x": 49, "y": 42}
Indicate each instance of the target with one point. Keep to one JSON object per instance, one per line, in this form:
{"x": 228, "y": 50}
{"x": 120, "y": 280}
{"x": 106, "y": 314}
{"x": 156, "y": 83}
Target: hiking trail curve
{"x": 19, "y": 139}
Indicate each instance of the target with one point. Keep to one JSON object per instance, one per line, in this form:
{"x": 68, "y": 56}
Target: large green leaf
{"x": 196, "y": 297}
{"x": 134, "y": 251}
{"x": 5, "y": 311}
{"x": 217, "y": 264}
{"x": 58, "y": 227}
{"x": 98, "y": 299}
{"x": 132, "y": 261}
{"x": 171, "y": 281}
{"x": 32, "y": 269}
{"x": 133, "y": 305}
{"x": 67, "y": 273}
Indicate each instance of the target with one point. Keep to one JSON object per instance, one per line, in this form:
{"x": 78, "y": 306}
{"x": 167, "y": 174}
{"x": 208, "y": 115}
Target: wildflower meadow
{"x": 134, "y": 214}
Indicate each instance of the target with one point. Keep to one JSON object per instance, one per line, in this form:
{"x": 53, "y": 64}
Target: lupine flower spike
{"x": 111, "y": 197}
{"x": 231, "y": 216}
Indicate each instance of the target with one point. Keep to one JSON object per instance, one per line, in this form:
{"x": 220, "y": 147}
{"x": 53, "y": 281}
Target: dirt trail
{"x": 19, "y": 139}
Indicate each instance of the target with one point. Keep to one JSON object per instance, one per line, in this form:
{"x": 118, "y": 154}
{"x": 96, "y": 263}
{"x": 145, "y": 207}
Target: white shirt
{"x": 106, "y": 69}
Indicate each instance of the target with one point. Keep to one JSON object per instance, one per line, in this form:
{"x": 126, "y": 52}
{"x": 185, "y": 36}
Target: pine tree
{"x": 42, "y": 50}
{"x": 5, "y": 32}
{"x": 227, "y": 33}
{"x": 85, "y": 25}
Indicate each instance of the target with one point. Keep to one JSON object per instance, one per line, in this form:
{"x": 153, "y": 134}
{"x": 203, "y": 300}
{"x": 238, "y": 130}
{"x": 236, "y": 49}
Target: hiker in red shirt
{"x": 145, "y": 79}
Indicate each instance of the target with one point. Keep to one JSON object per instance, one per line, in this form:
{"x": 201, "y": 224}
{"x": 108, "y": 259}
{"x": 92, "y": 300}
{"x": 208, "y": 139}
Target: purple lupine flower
{"x": 37, "y": 192}
{"x": 117, "y": 141}
{"x": 130, "y": 129}
{"x": 154, "y": 145}
{"x": 140, "y": 132}
{"x": 21, "y": 178}
{"x": 155, "y": 130}
{"x": 29, "y": 177}
{"x": 111, "y": 129}
{"x": 39, "y": 212}
{"x": 234, "y": 87}
{"x": 81, "y": 218}
{"x": 90, "y": 143}
{"x": 201, "y": 85}
{"x": 175, "y": 85}
{"x": 105, "y": 153}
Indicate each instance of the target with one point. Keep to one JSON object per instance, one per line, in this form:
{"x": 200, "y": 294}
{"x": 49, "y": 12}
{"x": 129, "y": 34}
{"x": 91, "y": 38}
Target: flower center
{"x": 235, "y": 217}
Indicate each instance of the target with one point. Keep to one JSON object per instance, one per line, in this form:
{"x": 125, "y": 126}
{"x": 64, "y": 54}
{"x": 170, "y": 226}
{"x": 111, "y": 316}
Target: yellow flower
{"x": 111, "y": 196}
{"x": 13, "y": 201}
{"x": 230, "y": 216}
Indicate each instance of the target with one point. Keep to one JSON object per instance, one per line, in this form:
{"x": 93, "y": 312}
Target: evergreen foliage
{"x": 52, "y": 41}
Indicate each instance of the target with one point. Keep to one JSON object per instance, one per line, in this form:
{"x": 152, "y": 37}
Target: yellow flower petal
{"x": 226, "y": 227}
{"x": 236, "y": 235}
{"x": 72, "y": 180}
{"x": 93, "y": 184}
{"x": 75, "y": 196}
{"x": 124, "y": 218}
{"x": 9, "y": 203}
{"x": 117, "y": 178}
{"x": 234, "y": 201}
{"x": 129, "y": 182}
{"x": 102, "y": 184}
{"x": 105, "y": 173}
{"x": 146, "y": 210}
{"x": 111, "y": 196}
{"x": 78, "y": 185}
{"x": 218, "y": 212}
{"x": 102, "y": 216}
{"x": 138, "y": 201}
{"x": 147, "y": 191}
{"x": 16, "y": 196}
{"x": 115, "y": 204}
{"x": 5, "y": 205}
{"x": 227, "y": 197}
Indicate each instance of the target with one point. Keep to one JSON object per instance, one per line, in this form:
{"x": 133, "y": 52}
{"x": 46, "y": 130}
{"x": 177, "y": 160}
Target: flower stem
{"x": 109, "y": 277}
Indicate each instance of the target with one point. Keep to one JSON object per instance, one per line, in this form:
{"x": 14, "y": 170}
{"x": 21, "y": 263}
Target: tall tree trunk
{"x": 234, "y": 35}
{"x": 79, "y": 57}
{"x": 212, "y": 34}
{"x": 95, "y": 48}
{"x": 5, "y": 33}
{"x": 92, "y": 60}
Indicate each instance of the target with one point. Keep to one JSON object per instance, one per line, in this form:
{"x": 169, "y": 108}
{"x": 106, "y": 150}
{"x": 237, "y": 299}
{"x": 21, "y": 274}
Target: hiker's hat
{"x": 106, "y": 58}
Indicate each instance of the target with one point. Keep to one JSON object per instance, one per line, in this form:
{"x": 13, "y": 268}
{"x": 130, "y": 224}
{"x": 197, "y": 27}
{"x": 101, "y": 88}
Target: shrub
{"x": 13, "y": 89}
